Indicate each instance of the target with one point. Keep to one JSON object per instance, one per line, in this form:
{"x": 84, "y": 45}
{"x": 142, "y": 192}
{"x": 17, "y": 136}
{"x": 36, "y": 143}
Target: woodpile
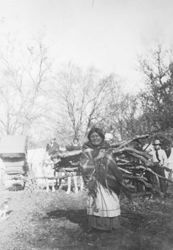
{"x": 136, "y": 165}
{"x": 133, "y": 161}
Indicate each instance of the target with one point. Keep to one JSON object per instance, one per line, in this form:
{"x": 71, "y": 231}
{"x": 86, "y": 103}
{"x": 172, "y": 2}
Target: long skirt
{"x": 103, "y": 211}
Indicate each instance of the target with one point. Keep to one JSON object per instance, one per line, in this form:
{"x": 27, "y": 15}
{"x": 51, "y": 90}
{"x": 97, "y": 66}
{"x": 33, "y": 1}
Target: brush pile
{"x": 133, "y": 161}
{"x": 136, "y": 165}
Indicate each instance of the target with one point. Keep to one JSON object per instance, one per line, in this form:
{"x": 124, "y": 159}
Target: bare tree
{"x": 81, "y": 96}
{"x": 120, "y": 112}
{"x": 157, "y": 99}
{"x": 22, "y": 89}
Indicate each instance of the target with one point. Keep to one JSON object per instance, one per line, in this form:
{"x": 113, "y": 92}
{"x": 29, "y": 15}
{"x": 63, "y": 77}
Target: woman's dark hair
{"x": 96, "y": 130}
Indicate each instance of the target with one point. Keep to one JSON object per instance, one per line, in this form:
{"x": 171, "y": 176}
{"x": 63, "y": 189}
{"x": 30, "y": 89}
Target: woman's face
{"x": 96, "y": 139}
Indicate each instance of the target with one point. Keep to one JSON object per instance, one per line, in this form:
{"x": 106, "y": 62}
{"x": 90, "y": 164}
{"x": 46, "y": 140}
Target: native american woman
{"x": 103, "y": 180}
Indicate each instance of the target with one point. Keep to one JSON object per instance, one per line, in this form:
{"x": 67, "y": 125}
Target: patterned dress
{"x": 103, "y": 180}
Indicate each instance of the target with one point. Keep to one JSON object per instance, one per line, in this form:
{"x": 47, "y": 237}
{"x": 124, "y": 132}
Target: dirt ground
{"x": 41, "y": 221}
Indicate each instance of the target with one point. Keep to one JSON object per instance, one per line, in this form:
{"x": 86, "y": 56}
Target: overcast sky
{"x": 107, "y": 34}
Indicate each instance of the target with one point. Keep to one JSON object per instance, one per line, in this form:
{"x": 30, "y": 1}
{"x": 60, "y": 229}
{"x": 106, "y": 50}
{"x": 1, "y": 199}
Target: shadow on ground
{"x": 76, "y": 216}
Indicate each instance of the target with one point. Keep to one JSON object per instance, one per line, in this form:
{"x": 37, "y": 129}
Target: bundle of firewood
{"x": 132, "y": 159}
{"x": 136, "y": 164}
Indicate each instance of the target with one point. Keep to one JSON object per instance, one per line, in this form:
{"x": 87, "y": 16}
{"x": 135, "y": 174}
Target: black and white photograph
{"x": 86, "y": 125}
